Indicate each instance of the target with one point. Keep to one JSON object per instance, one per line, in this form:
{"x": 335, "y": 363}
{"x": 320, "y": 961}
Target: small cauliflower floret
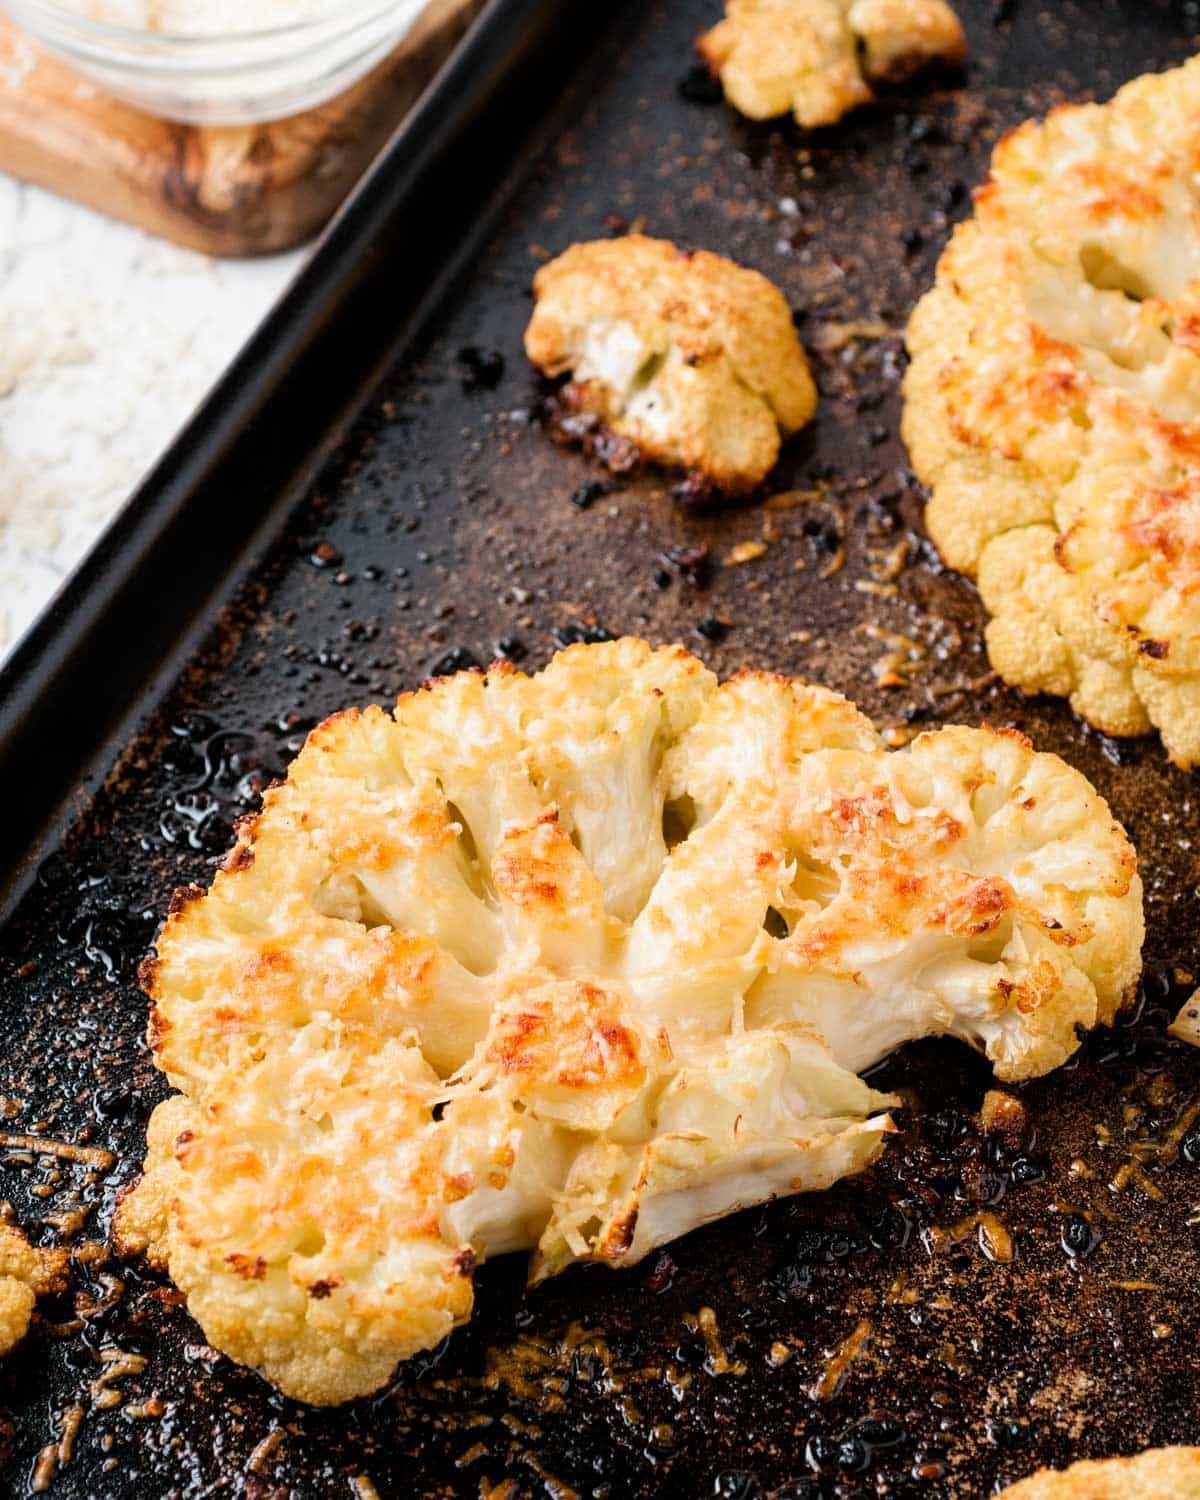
{"x": 689, "y": 357}
{"x": 1052, "y": 405}
{"x": 574, "y": 963}
{"x": 1157, "y": 1474}
{"x": 818, "y": 58}
{"x": 25, "y": 1275}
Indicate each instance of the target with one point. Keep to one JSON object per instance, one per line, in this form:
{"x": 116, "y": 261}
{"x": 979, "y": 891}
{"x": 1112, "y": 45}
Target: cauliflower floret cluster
{"x": 689, "y": 357}
{"x": 1053, "y": 407}
{"x": 26, "y": 1274}
{"x": 1157, "y": 1474}
{"x": 819, "y": 58}
{"x": 573, "y": 963}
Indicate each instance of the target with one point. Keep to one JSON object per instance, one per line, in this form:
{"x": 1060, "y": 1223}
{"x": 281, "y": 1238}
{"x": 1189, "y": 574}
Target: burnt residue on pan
{"x": 985, "y": 1300}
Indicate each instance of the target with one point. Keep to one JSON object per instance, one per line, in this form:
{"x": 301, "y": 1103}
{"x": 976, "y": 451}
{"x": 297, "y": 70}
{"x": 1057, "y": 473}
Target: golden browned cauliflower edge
{"x": 479, "y": 903}
{"x": 26, "y": 1274}
{"x": 1157, "y": 1474}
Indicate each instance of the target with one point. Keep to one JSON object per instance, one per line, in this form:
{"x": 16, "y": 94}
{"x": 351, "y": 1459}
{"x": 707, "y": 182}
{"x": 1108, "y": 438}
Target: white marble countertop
{"x": 108, "y": 341}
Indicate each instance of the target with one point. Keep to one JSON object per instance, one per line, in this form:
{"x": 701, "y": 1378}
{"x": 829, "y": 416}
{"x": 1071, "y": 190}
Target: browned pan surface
{"x": 445, "y": 531}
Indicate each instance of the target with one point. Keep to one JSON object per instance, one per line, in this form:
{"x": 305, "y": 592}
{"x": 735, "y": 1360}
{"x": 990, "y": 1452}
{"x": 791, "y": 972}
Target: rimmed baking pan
{"x": 373, "y": 494}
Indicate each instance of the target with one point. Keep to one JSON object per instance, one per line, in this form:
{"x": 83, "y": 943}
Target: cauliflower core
{"x": 691, "y": 358}
{"x": 575, "y": 963}
{"x": 818, "y": 58}
{"x": 1053, "y": 407}
{"x": 1157, "y": 1474}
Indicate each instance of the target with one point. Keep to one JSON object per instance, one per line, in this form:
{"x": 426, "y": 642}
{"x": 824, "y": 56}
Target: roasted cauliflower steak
{"x": 817, "y": 59}
{"x": 691, "y": 358}
{"x": 574, "y": 963}
{"x": 1157, "y": 1474}
{"x": 1053, "y": 408}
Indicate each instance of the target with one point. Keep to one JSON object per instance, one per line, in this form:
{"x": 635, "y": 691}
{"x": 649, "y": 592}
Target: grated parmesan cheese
{"x": 108, "y": 340}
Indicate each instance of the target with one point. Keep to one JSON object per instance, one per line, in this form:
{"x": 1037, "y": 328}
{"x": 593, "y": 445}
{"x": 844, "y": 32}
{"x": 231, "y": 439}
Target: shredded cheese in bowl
{"x": 222, "y": 62}
{"x": 212, "y": 18}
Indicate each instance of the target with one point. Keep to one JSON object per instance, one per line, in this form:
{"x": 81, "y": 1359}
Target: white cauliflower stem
{"x": 573, "y": 963}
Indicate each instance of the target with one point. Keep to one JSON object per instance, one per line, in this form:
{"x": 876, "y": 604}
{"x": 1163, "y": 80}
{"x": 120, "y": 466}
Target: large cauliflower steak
{"x": 689, "y": 357}
{"x": 818, "y": 58}
{"x": 1053, "y": 407}
{"x": 573, "y": 963}
{"x": 1157, "y": 1474}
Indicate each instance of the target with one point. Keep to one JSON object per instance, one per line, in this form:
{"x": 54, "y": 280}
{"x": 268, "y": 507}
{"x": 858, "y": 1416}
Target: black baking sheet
{"x": 438, "y": 527}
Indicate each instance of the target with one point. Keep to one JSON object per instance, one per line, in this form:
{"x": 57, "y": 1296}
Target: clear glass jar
{"x": 237, "y": 77}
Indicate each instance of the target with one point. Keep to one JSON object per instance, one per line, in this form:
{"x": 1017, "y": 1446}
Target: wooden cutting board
{"x": 226, "y": 190}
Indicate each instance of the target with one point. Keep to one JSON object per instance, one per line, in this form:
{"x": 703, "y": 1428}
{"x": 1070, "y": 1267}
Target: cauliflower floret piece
{"x": 818, "y": 58}
{"x": 572, "y": 963}
{"x": 25, "y": 1275}
{"x": 1053, "y": 407}
{"x": 970, "y": 887}
{"x": 1157, "y": 1474}
{"x": 691, "y": 358}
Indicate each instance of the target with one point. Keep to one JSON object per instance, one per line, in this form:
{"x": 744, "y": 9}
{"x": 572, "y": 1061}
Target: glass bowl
{"x": 192, "y": 73}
